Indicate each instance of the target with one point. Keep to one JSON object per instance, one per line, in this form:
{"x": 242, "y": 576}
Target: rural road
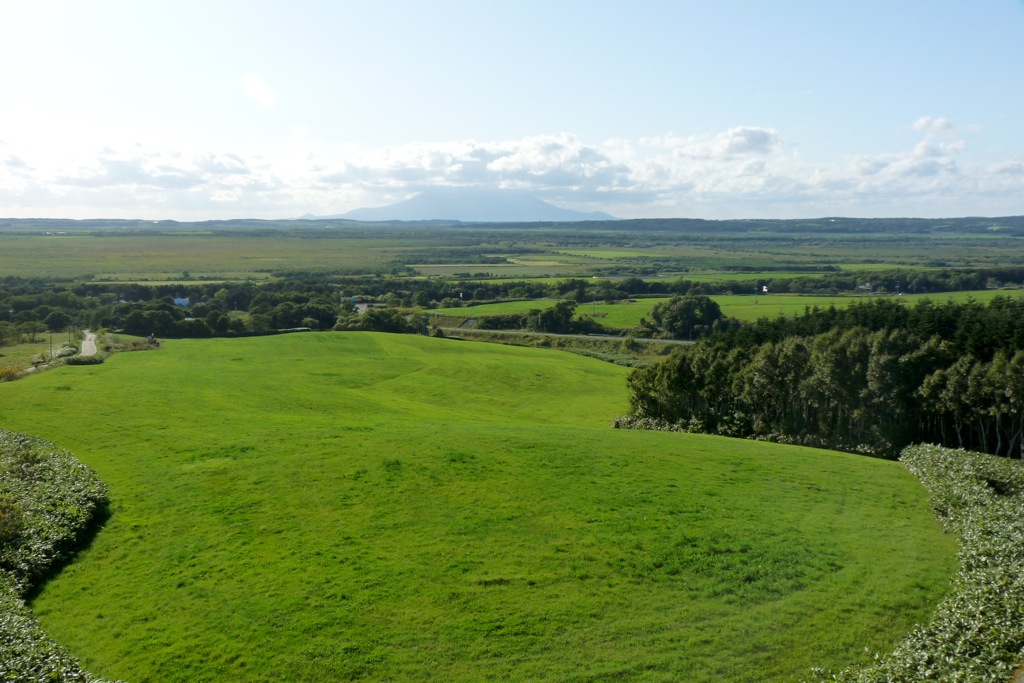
{"x": 89, "y": 344}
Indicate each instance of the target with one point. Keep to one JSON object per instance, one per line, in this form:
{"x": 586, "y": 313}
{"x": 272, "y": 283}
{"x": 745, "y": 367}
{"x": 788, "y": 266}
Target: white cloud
{"x": 13, "y": 161}
{"x": 1009, "y": 167}
{"x": 256, "y": 88}
{"x": 740, "y": 172}
{"x": 745, "y": 140}
{"x": 932, "y": 125}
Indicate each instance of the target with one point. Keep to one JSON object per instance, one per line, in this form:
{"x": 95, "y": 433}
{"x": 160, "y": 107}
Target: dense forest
{"x": 870, "y": 378}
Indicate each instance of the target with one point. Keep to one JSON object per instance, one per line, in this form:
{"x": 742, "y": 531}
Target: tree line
{"x": 872, "y": 378}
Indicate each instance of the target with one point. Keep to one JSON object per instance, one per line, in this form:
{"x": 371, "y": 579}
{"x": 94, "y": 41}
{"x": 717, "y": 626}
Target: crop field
{"x": 156, "y": 256}
{"x": 139, "y": 251}
{"x": 333, "y": 506}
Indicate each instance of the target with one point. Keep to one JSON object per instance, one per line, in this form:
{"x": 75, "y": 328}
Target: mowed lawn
{"x": 343, "y": 506}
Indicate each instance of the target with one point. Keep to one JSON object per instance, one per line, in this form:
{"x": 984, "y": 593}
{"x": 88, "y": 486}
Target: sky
{"x": 197, "y": 110}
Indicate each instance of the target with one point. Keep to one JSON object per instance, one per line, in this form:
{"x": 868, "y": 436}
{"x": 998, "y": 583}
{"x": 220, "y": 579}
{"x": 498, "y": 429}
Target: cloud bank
{"x": 745, "y": 171}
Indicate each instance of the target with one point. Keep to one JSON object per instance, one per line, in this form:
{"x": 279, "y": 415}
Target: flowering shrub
{"x": 977, "y": 633}
{"x": 65, "y": 351}
{"x": 49, "y": 503}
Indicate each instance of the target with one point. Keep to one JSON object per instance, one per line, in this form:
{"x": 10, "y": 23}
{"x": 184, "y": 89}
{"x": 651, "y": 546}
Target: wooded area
{"x": 872, "y": 378}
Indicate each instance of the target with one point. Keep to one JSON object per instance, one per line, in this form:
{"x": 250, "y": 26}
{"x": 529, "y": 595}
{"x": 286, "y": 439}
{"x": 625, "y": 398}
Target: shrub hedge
{"x": 49, "y": 505}
{"x": 84, "y": 360}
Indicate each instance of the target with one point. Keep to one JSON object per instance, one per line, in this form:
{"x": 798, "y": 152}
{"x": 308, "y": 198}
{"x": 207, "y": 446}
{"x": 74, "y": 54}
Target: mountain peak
{"x": 473, "y": 205}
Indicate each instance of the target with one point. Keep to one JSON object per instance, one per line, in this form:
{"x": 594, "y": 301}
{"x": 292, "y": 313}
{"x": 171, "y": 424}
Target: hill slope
{"x": 335, "y": 506}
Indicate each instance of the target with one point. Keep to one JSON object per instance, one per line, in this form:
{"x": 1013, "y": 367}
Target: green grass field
{"x": 774, "y": 305}
{"x": 343, "y": 506}
{"x": 625, "y": 314}
{"x": 155, "y": 257}
{"x": 162, "y": 252}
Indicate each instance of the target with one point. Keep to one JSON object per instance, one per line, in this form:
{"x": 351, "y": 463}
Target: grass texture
{"x": 354, "y": 506}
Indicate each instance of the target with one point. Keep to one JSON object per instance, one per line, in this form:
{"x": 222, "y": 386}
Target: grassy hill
{"x": 343, "y": 506}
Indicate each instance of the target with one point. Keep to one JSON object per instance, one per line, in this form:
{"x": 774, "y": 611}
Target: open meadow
{"x": 627, "y": 313}
{"x": 340, "y": 506}
{"x": 709, "y": 251}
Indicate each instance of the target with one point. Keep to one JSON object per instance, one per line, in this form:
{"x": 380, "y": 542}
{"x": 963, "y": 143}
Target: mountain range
{"x": 471, "y": 205}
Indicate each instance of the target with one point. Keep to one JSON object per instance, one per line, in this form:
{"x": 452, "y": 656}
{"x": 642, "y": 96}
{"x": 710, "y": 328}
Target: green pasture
{"x": 611, "y": 253}
{"x": 158, "y": 279}
{"x": 693, "y": 276}
{"x": 744, "y": 276}
{"x": 333, "y": 506}
{"x": 876, "y": 251}
{"x": 258, "y": 248}
{"x": 516, "y": 269}
{"x": 157, "y": 255}
{"x": 500, "y": 308}
{"x": 788, "y": 305}
{"x": 626, "y": 314}
{"x": 877, "y": 266}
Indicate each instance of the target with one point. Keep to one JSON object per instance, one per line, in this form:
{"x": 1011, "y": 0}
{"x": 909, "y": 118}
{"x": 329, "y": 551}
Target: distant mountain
{"x": 471, "y": 206}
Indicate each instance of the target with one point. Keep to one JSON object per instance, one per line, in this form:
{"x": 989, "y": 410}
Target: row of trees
{"x": 850, "y": 387}
{"x": 682, "y": 317}
{"x": 557, "y": 319}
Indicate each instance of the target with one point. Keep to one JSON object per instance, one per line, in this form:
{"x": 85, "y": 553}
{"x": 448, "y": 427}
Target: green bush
{"x": 49, "y": 503}
{"x": 84, "y": 360}
{"x": 65, "y": 351}
{"x": 12, "y": 517}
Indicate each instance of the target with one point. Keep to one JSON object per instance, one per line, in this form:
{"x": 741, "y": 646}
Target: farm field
{"x": 156, "y": 256}
{"x": 355, "y": 505}
{"x": 518, "y": 269}
{"x": 242, "y": 249}
{"x": 774, "y": 305}
{"x": 743, "y": 307}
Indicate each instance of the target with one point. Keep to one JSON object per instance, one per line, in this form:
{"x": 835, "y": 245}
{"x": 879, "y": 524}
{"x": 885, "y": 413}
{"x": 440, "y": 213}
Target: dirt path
{"x": 89, "y": 344}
